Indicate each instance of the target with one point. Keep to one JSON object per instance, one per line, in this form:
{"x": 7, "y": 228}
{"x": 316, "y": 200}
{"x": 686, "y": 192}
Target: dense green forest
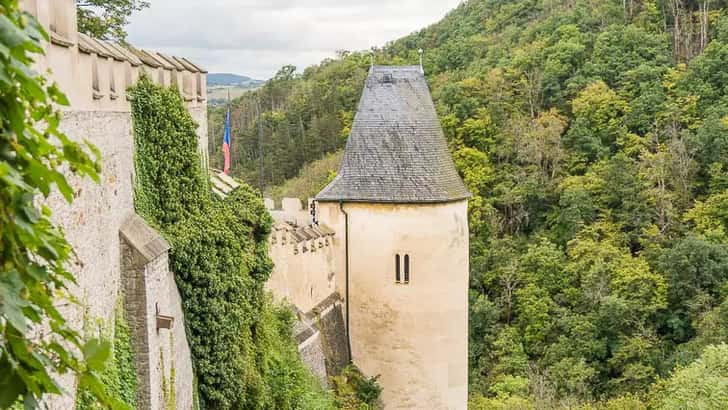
{"x": 593, "y": 135}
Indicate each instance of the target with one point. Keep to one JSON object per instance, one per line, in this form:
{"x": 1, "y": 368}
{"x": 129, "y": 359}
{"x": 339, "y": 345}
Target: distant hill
{"x": 233, "y": 80}
{"x": 220, "y": 86}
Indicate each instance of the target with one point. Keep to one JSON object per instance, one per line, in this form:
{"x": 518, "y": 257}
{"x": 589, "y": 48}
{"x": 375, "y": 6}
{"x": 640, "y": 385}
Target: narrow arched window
{"x": 406, "y": 268}
{"x": 397, "y": 272}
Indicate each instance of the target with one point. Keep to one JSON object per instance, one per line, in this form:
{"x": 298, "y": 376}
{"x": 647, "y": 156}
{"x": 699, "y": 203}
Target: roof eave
{"x": 393, "y": 201}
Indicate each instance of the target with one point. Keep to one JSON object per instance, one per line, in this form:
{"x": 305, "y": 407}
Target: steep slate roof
{"x": 397, "y": 151}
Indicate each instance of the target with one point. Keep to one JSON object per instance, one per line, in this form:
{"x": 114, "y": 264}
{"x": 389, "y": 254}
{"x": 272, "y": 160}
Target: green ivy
{"x": 126, "y": 383}
{"x": 243, "y": 351}
{"x": 119, "y": 375}
{"x": 170, "y": 183}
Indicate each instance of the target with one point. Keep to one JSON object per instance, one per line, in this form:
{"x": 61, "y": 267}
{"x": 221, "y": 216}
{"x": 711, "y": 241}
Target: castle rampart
{"x": 112, "y": 243}
{"x": 94, "y": 74}
{"x": 303, "y": 256}
{"x": 304, "y": 274}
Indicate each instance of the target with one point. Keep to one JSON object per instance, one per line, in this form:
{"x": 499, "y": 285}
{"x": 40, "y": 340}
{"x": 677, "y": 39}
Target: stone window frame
{"x": 174, "y": 79}
{"x": 128, "y": 80}
{"x": 198, "y": 78}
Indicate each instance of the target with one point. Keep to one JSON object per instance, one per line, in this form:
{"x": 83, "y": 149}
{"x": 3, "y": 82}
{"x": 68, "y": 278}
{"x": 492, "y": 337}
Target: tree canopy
{"x": 107, "y": 19}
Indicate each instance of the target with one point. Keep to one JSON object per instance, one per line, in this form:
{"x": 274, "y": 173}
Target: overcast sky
{"x": 256, "y": 37}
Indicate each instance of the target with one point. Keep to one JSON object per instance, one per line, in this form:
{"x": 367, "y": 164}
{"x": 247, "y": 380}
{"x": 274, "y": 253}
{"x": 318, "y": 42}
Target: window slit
{"x": 406, "y": 268}
{"x": 398, "y": 276}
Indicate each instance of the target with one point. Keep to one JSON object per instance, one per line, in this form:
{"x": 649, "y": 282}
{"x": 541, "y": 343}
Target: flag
{"x": 226, "y": 144}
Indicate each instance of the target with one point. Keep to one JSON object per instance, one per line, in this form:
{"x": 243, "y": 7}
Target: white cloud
{"x": 256, "y": 37}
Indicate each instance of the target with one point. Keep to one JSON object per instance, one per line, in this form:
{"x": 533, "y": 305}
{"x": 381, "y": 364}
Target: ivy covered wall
{"x": 244, "y": 355}
{"x": 119, "y": 375}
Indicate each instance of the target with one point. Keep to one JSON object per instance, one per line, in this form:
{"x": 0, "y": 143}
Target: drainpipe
{"x": 346, "y": 263}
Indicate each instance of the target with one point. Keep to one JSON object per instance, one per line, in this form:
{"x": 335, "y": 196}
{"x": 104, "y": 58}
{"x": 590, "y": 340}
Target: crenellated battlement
{"x": 303, "y": 255}
{"x": 301, "y": 239}
{"x": 295, "y": 228}
{"x": 95, "y": 74}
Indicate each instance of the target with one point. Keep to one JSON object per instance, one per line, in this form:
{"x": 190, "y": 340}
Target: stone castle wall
{"x": 156, "y": 320}
{"x": 414, "y": 335}
{"x": 95, "y": 75}
{"x": 304, "y": 267}
{"x": 304, "y": 274}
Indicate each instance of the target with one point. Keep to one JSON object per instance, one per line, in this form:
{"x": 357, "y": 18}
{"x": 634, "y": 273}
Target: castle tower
{"x": 399, "y": 210}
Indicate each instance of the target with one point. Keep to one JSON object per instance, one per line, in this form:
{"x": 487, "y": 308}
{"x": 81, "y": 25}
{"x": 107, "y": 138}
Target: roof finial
{"x": 422, "y": 67}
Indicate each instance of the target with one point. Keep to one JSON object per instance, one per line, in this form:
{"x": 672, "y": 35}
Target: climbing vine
{"x": 170, "y": 183}
{"x": 119, "y": 375}
{"x": 126, "y": 382}
{"x": 244, "y": 355}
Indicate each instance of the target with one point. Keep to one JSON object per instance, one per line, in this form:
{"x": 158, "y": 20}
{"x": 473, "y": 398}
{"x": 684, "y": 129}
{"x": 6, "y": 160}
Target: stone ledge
{"x": 144, "y": 239}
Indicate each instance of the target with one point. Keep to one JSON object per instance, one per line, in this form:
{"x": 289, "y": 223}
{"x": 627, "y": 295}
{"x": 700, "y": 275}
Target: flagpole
{"x": 226, "y": 140}
{"x": 231, "y": 134}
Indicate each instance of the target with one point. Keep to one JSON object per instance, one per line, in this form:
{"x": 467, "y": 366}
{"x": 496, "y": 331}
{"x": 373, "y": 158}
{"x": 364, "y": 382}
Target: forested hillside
{"x": 594, "y": 138}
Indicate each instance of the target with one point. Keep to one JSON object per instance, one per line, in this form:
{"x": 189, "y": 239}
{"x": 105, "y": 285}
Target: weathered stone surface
{"x": 147, "y": 243}
{"x": 149, "y": 290}
{"x": 312, "y": 353}
{"x": 414, "y": 335}
{"x": 321, "y": 337}
{"x": 304, "y": 264}
{"x": 291, "y": 205}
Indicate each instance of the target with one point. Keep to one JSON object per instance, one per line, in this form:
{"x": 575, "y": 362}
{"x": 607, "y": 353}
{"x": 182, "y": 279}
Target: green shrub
{"x": 505, "y": 403}
{"x": 353, "y": 390}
